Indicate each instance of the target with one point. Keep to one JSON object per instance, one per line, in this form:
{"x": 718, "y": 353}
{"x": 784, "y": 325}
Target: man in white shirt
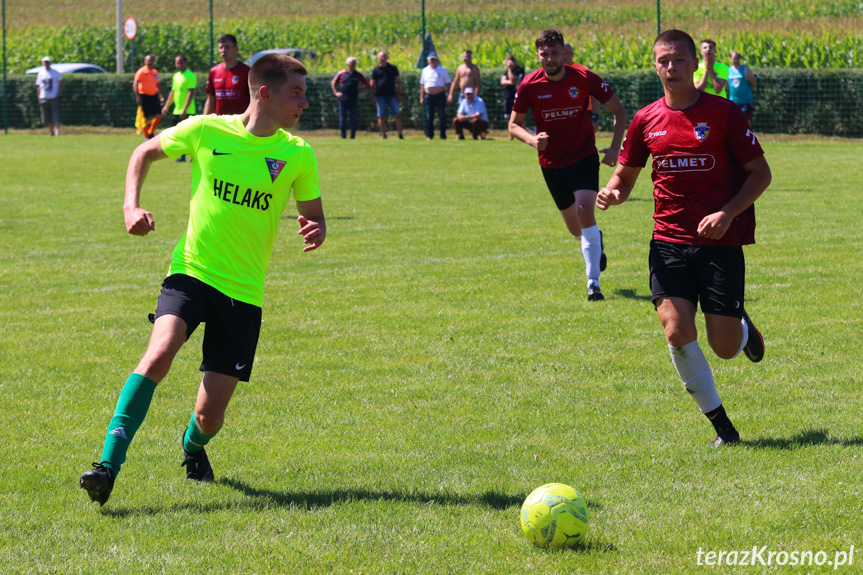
{"x": 49, "y": 84}
{"x": 434, "y": 83}
{"x": 471, "y": 115}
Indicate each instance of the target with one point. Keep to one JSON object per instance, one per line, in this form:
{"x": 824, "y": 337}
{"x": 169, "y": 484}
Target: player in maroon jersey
{"x": 558, "y": 95}
{"x": 228, "y": 83}
{"x": 708, "y": 170}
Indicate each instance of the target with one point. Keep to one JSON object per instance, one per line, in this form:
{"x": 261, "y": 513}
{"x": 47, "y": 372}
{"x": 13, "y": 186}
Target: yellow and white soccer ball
{"x": 554, "y": 515}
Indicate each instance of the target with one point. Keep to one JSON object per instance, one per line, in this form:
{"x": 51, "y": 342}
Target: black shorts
{"x": 714, "y": 275}
{"x": 564, "y": 182}
{"x": 150, "y": 105}
{"x": 233, "y": 327}
{"x": 173, "y": 119}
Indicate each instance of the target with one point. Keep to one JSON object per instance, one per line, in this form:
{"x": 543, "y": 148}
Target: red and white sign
{"x": 130, "y": 28}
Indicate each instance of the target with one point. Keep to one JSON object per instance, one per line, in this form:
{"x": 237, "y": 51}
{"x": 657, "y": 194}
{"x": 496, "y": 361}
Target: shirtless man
{"x": 466, "y": 75}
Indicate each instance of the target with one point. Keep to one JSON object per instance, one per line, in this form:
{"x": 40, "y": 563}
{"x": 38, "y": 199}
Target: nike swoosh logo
{"x": 215, "y": 153}
{"x": 238, "y": 367}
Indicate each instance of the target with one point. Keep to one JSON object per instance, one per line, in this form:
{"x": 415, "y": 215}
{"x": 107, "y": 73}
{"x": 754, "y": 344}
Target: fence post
{"x": 5, "y": 93}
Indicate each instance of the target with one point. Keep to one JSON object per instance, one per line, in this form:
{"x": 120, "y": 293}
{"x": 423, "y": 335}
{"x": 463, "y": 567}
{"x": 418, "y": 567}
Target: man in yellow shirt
{"x": 711, "y": 76}
{"x": 246, "y": 169}
{"x": 182, "y": 94}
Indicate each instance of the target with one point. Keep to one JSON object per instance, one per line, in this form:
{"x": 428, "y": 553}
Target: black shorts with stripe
{"x": 232, "y": 330}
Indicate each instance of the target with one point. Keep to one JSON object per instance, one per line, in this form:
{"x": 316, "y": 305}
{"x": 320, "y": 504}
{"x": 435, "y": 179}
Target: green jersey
{"x": 183, "y": 82}
{"x": 721, "y": 72}
{"x": 241, "y": 184}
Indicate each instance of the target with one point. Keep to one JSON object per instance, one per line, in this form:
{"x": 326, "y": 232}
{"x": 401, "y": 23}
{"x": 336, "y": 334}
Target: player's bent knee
{"x": 155, "y": 365}
{"x": 208, "y": 422}
{"x": 677, "y": 337}
{"x": 724, "y": 350}
{"x": 586, "y": 217}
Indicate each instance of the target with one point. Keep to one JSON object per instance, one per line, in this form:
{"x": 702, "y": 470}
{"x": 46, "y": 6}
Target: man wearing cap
{"x": 434, "y": 83}
{"x": 49, "y": 84}
{"x": 471, "y": 115}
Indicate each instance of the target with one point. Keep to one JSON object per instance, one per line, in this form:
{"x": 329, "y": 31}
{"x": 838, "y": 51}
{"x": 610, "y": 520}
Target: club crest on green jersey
{"x": 275, "y": 167}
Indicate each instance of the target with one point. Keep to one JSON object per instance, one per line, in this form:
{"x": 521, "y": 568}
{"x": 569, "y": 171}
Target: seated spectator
{"x": 471, "y": 115}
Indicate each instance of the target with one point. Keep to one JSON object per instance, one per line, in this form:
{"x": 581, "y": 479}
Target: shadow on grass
{"x": 630, "y": 294}
{"x": 262, "y": 498}
{"x": 327, "y": 498}
{"x": 807, "y": 438}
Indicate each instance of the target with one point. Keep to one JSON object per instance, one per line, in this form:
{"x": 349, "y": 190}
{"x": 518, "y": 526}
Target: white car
{"x": 298, "y": 53}
{"x": 72, "y": 68}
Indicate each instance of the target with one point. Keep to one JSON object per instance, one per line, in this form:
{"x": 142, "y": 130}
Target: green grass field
{"x": 422, "y": 372}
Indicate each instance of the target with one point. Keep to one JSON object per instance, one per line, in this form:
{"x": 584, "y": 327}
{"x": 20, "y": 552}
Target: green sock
{"x": 132, "y": 407}
{"x": 194, "y": 440}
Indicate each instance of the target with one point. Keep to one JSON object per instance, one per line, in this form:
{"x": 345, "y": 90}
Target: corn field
{"x": 616, "y": 35}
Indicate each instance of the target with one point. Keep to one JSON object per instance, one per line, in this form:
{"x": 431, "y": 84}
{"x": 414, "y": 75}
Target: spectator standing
{"x": 148, "y": 95}
{"x": 557, "y": 95}
{"x": 512, "y": 77}
{"x": 228, "y": 82}
{"x": 387, "y": 93}
{"x": 347, "y": 85}
{"x": 434, "y": 82}
{"x": 466, "y": 76}
{"x": 741, "y": 86}
{"x": 472, "y": 115}
{"x": 711, "y": 76}
{"x": 49, "y": 85}
{"x": 703, "y": 216}
{"x": 182, "y": 94}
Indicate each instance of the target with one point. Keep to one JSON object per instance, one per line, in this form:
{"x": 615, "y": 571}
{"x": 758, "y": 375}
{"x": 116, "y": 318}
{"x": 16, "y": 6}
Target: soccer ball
{"x": 554, "y": 515}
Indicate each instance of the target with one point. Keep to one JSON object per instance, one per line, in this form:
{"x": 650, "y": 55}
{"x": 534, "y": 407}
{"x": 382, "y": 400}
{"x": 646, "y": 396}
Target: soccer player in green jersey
{"x": 245, "y": 169}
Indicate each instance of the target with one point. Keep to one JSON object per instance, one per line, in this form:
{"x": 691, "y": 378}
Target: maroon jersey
{"x": 230, "y": 87}
{"x": 698, "y": 157}
{"x": 560, "y": 110}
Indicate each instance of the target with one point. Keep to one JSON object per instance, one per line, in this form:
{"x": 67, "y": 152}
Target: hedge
{"x": 826, "y": 102}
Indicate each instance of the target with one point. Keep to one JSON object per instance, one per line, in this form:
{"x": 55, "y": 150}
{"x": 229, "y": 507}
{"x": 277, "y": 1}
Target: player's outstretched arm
{"x": 139, "y": 222}
{"x": 621, "y": 122}
{"x": 758, "y": 177}
{"x": 313, "y": 225}
{"x": 618, "y": 188}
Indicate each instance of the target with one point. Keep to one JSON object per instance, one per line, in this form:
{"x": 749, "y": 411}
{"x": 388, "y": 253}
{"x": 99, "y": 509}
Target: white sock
{"x": 693, "y": 369}
{"x": 591, "y": 248}
{"x": 744, "y": 340}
